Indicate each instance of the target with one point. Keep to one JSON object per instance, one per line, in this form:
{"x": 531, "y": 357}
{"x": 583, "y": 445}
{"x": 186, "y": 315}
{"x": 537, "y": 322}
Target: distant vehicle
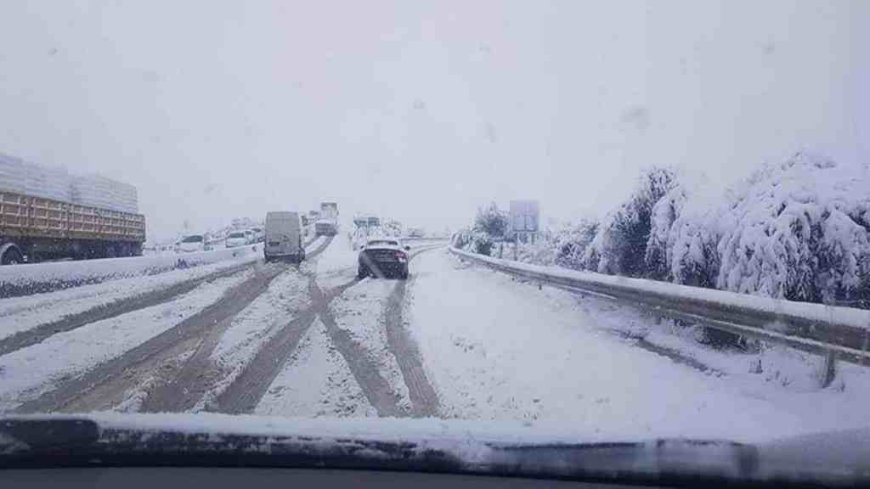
{"x": 327, "y": 224}
{"x": 284, "y": 237}
{"x": 416, "y": 233}
{"x": 325, "y": 227}
{"x": 236, "y": 239}
{"x": 191, "y": 243}
{"x": 373, "y": 222}
{"x": 383, "y": 258}
{"x": 329, "y": 210}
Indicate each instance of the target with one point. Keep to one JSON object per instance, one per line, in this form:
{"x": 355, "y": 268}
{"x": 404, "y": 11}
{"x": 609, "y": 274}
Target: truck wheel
{"x": 362, "y": 273}
{"x": 12, "y": 257}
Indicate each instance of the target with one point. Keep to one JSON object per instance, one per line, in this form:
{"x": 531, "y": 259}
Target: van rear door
{"x": 283, "y": 236}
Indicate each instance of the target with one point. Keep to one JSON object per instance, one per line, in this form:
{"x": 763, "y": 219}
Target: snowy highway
{"x": 454, "y": 341}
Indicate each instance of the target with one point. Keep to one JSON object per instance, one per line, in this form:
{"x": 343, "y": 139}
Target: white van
{"x": 283, "y": 237}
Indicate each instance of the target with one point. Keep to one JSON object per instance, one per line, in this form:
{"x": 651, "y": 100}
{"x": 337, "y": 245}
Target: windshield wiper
{"x": 55, "y": 441}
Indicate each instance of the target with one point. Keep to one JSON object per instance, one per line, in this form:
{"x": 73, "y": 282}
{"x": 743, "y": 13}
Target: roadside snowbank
{"x": 496, "y": 349}
{"x": 856, "y": 318}
{"x": 20, "y": 280}
{"x": 23, "y": 313}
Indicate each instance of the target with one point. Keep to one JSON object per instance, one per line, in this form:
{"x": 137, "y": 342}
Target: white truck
{"x": 327, "y": 224}
{"x": 47, "y": 213}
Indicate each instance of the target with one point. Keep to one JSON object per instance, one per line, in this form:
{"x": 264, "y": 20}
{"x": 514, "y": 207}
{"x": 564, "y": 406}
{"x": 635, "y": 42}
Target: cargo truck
{"x": 35, "y": 228}
{"x": 327, "y": 224}
{"x": 47, "y": 213}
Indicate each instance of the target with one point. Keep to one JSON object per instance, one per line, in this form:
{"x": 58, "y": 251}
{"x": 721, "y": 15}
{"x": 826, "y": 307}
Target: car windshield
{"x": 599, "y": 221}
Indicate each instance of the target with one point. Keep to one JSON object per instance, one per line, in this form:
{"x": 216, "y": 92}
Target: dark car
{"x": 383, "y": 258}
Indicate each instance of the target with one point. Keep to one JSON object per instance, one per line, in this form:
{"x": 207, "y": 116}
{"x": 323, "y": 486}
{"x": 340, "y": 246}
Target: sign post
{"x": 524, "y": 219}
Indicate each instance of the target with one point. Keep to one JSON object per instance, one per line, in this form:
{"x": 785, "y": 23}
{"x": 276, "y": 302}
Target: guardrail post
{"x": 829, "y": 368}
{"x": 865, "y": 344}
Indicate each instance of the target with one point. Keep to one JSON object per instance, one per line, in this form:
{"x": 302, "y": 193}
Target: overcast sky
{"x": 423, "y": 110}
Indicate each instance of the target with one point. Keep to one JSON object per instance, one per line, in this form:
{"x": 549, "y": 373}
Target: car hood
{"x": 432, "y": 445}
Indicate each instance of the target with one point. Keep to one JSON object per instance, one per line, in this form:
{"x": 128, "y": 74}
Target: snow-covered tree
{"x": 492, "y": 221}
{"x": 572, "y": 241}
{"x": 664, "y": 213}
{"x": 692, "y": 253}
{"x": 619, "y": 247}
{"x": 799, "y": 230}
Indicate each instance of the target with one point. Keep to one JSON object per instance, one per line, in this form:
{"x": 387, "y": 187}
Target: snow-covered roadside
{"x": 315, "y": 382}
{"x": 497, "y": 349}
{"x": 29, "y": 279}
{"x": 26, "y": 373}
{"x": 23, "y": 313}
{"x": 360, "y": 311}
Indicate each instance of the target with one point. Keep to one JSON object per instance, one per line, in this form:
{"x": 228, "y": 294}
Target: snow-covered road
{"x": 454, "y": 341}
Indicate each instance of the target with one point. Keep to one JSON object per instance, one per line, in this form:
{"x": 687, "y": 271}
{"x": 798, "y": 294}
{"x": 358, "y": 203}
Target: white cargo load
{"x": 22, "y": 177}
{"x": 105, "y": 193}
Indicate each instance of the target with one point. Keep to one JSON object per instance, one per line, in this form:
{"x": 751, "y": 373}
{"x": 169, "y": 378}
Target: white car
{"x": 236, "y": 238}
{"x": 250, "y": 236}
{"x": 192, "y": 243}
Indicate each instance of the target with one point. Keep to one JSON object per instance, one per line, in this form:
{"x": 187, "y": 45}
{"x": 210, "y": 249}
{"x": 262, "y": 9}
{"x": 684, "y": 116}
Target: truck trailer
{"x": 34, "y": 228}
{"x": 47, "y": 213}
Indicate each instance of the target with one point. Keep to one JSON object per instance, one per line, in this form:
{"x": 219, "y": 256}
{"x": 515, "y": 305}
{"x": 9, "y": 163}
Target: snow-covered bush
{"x": 572, "y": 241}
{"x": 481, "y": 243}
{"x": 799, "y": 230}
{"x": 619, "y": 247}
{"x": 473, "y": 241}
{"x": 664, "y": 213}
{"x": 692, "y": 256}
{"x": 461, "y": 238}
{"x": 543, "y": 251}
{"x": 492, "y": 221}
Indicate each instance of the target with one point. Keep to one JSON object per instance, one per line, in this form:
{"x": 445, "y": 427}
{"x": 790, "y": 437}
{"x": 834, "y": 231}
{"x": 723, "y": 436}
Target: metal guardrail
{"x": 832, "y": 331}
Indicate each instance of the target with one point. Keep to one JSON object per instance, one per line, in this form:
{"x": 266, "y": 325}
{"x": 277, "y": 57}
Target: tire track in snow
{"x": 319, "y": 249}
{"x": 245, "y": 392}
{"x": 199, "y": 374}
{"x": 424, "y": 400}
{"x": 364, "y": 369}
{"x": 38, "y": 334}
{"x": 114, "y": 377}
